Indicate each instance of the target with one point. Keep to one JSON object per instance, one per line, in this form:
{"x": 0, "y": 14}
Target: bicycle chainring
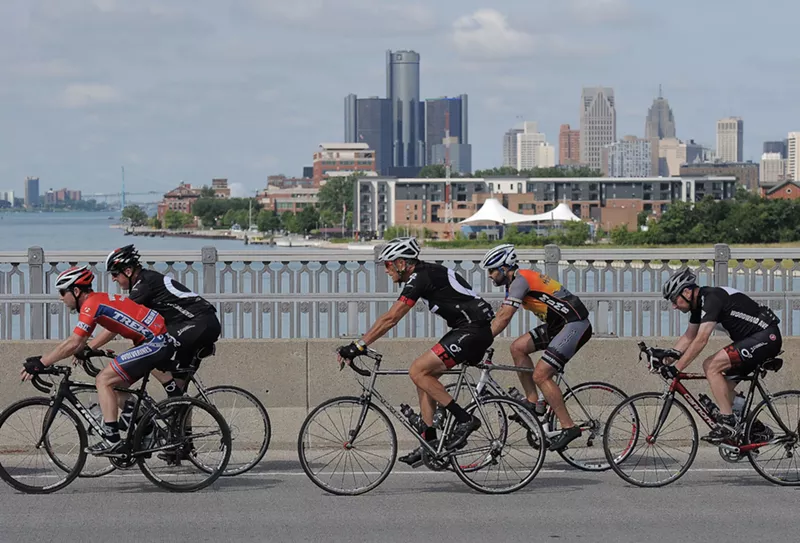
{"x": 433, "y": 463}
{"x": 122, "y": 463}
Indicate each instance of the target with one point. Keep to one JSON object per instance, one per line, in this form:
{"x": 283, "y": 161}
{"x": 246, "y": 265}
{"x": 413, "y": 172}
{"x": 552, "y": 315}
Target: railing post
{"x": 552, "y": 256}
{"x": 36, "y": 286}
{"x": 209, "y": 259}
{"x": 381, "y": 279}
{"x": 722, "y": 254}
{"x": 352, "y": 318}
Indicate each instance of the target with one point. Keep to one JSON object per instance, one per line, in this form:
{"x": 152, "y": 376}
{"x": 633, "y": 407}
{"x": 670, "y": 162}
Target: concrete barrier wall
{"x": 300, "y": 374}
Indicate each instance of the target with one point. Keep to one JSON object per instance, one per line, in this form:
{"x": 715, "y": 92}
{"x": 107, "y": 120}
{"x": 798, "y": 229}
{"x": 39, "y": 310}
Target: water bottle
{"x": 709, "y": 406}
{"x": 516, "y": 394}
{"x": 439, "y": 416}
{"x": 738, "y": 405}
{"x": 415, "y": 420}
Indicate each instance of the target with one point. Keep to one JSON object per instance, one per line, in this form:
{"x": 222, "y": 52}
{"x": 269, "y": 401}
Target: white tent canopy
{"x": 493, "y": 211}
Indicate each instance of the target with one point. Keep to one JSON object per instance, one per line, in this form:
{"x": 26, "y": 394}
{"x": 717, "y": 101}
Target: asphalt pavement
{"x": 714, "y": 501}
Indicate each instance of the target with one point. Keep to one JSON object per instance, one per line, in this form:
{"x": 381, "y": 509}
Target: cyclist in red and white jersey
{"x": 153, "y": 347}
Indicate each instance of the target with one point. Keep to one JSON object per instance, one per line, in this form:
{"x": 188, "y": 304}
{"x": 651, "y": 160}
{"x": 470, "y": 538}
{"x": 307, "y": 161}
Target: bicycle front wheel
{"x": 182, "y": 445}
{"x": 589, "y": 404}
{"x": 249, "y": 423}
{"x": 650, "y": 459}
{"x": 31, "y": 466}
{"x": 500, "y": 448}
{"x": 777, "y": 460}
{"x": 347, "y": 446}
{"x": 95, "y": 466}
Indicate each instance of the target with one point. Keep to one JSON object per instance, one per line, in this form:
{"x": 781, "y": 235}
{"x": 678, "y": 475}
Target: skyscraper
{"x": 31, "y": 192}
{"x": 569, "y": 146}
{"x": 402, "y": 88}
{"x": 533, "y": 151}
{"x": 793, "y": 156}
{"x": 436, "y": 111}
{"x": 369, "y": 120}
{"x": 730, "y": 139}
{"x": 660, "y": 122}
{"x": 598, "y": 116}
{"x": 510, "y": 147}
{"x": 776, "y": 147}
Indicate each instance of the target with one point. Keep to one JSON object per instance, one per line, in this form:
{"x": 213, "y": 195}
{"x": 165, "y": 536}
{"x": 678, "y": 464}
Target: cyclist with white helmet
{"x": 468, "y": 315}
{"x": 566, "y": 330}
{"x": 753, "y": 328}
{"x": 145, "y": 327}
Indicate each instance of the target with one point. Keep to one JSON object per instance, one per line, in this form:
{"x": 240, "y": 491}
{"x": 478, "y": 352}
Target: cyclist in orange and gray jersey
{"x": 566, "y": 330}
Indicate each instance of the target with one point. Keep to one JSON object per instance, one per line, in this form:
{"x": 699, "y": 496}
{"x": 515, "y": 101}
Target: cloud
{"x": 238, "y": 190}
{"x": 85, "y": 94}
{"x": 487, "y": 35}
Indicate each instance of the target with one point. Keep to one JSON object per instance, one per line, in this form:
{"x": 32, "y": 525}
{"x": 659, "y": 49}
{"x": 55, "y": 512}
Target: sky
{"x": 188, "y": 90}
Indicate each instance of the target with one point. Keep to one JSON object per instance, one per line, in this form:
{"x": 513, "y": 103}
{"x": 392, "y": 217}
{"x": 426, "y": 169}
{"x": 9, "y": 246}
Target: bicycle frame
{"x": 66, "y": 391}
{"x": 369, "y": 392}
{"x": 676, "y": 386}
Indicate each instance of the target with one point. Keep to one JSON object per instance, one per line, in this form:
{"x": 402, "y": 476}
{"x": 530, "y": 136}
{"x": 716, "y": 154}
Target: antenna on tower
{"x": 448, "y": 207}
{"x": 659, "y": 91}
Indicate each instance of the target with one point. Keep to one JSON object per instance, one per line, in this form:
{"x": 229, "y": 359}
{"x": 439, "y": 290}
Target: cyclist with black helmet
{"x": 145, "y": 327}
{"x": 468, "y": 315}
{"x": 566, "y": 330}
{"x": 191, "y": 320}
{"x": 753, "y": 328}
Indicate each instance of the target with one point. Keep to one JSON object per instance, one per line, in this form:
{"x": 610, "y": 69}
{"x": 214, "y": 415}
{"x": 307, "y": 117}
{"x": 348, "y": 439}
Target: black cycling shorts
{"x": 135, "y": 363}
{"x": 462, "y": 345}
{"x": 190, "y": 336}
{"x": 746, "y": 354}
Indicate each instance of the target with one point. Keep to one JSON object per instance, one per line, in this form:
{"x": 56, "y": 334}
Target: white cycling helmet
{"x": 400, "y": 248}
{"x": 77, "y": 276}
{"x": 502, "y": 255}
{"x": 677, "y": 283}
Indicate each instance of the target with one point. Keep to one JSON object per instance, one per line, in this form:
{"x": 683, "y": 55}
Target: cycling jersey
{"x": 544, "y": 296}
{"x": 122, "y": 316}
{"x": 175, "y": 302}
{"x": 738, "y": 313}
{"x": 447, "y": 294}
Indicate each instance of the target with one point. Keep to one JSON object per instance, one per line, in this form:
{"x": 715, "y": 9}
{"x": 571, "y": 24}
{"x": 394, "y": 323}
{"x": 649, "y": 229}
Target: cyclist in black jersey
{"x": 467, "y": 314}
{"x": 191, "y": 320}
{"x": 753, "y": 328}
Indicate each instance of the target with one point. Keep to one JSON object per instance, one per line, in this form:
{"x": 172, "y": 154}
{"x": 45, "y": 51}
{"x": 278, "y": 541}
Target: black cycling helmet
{"x": 124, "y": 257}
{"x": 676, "y": 284}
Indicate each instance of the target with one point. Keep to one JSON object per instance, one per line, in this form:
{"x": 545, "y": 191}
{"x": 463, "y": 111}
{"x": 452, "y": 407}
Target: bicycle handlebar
{"x": 369, "y": 353}
{"x": 656, "y": 356}
{"x": 87, "y": 365}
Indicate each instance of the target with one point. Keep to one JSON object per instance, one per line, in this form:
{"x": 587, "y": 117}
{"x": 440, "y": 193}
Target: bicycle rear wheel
{"x": 31, "y": 468}
{"x": 186, "y": 444}
{"x": 249, "y": 423}
{"x": 347, "y": 433}
{"x": 777, "y": 460}
{"x": 503, "y": 451}
{"x": 650, "y": 460}
{"x": 589, "y": 404}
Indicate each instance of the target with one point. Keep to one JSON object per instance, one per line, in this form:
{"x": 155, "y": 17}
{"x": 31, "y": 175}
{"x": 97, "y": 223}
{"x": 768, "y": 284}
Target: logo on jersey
{"x": 772, "y": 337}
{"x": 130, "y": 323}
{"x": 83, "y": 326}
{"x": 455, "y": 348}
{"x": 87, "y": 309}
{"x": 150, "y": 317}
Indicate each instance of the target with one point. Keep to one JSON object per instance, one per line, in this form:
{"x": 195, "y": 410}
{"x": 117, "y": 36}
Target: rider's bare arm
{"x": 686, "y": 339}
{"x": 102, "y": 338}
{"x": 503, "y": 317}
{"x": 66, "y": 348}
{"x": 386, "y": 322}
{"x": 697, "y": 345}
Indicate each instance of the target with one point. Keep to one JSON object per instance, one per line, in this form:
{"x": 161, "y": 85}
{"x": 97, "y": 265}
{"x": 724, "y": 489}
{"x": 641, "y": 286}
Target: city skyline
{"x": 89, "y": 86}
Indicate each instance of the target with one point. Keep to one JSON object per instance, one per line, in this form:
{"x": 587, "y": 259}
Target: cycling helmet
{"x": 502, "y": 255}
{"x": 124, "y": 257}
{"x": 400, "y": 248}
{"x": 77, "y": 276}
{"x": 679, "y": 281}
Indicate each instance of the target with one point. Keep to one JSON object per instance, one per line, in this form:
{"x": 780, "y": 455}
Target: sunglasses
{"x": 62, "y": 292}
{"x": 115, "y": 273}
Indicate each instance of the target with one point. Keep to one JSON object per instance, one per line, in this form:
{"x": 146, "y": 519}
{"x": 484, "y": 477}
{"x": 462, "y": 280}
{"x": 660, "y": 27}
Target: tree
{"x": 207, "y": 192}
{"x": 268, "y": 221}
{"x": 307, "y": 219}
{"x": 432, "y": 171}
{"x": 174, "y": 220}
{"x": 155, "y": 222}
{"x": 135, "y": 214}
{"x": 337, "y": 194}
